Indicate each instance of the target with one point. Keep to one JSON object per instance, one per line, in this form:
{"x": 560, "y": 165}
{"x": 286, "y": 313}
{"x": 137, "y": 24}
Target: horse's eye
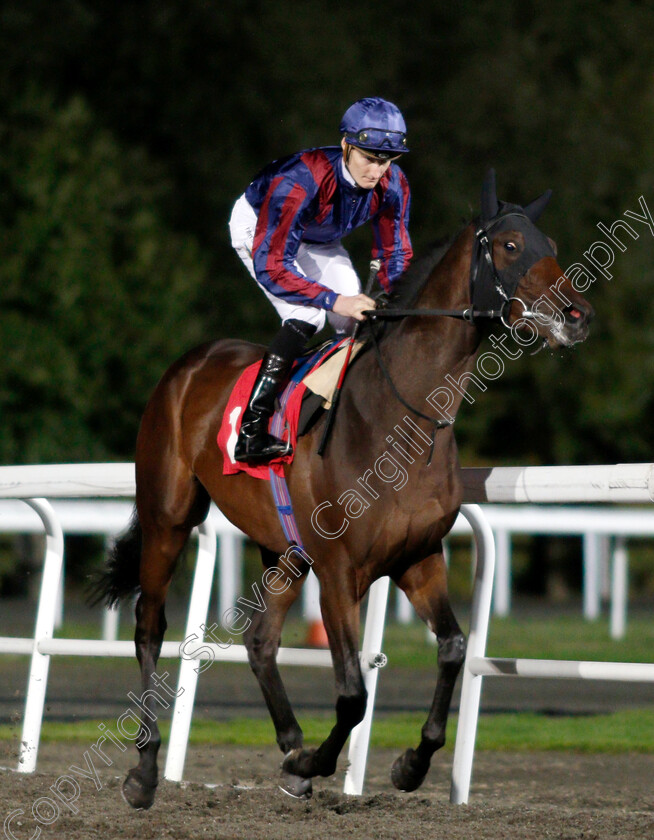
{"x": 510, "y": 246}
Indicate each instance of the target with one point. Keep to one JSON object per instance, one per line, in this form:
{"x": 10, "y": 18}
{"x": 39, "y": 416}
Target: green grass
{"x": 533, "y": 634}
{"x": 627, "y": 731}
{"x": 535, "y": 637}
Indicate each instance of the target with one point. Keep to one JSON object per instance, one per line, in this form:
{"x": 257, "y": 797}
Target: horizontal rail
{"x": 67, "y": 481}
{"x": 626, "y": 483}
{"x": 98, "y": 516}
{"x": 172, "y": 650}
{"x": 169, "y": 650}
{"x": 562, "y": 669}
{"x": 89, "y": 516}
{"x": 568, "y": 519}
{"x": 14, "y": 644}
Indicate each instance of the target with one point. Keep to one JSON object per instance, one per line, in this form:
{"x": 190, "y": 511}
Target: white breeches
{"x": 328, "y": 264}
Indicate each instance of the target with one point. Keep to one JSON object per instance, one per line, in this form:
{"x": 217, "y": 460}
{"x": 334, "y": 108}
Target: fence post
{"x": 371, "y": 661}
{"x": 502, "y": 587}
{"x": 229, "y": 579}
{"x": 471, "y": 686}
{"x": 403, "y": 608}
{"x": 45, "y": 620}
{"x": 189, "y": 668}
{"x": 591, "y": 575}
{"x": 619, "y": 589}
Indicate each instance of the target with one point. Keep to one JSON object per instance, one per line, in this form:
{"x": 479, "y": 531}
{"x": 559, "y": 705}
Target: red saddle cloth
{"x": 284, "y": 426}
{"x": 229, "y": 428}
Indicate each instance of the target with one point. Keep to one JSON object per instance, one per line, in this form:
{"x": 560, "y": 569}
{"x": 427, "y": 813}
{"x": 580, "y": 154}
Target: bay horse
{"x": 500, "y": 270}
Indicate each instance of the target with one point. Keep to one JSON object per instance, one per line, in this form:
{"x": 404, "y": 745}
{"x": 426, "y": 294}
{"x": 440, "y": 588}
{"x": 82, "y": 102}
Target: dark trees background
{"x": 128, "y": 129}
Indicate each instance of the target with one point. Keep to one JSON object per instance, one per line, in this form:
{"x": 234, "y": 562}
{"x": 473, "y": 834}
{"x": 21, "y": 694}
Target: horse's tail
{"x": 120, "y": 578}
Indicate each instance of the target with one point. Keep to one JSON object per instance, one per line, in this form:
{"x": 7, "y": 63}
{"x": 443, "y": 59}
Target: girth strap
{"x": 281, "y": 496}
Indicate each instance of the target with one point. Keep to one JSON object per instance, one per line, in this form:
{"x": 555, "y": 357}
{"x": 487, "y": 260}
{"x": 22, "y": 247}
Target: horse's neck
{"x": 420, "y": 352}
{"x": 438, "y": 345}
{"x": 448, "y": 285}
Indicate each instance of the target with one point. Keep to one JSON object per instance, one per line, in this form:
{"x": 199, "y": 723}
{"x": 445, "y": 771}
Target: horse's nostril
{"x": 573, "y": 314}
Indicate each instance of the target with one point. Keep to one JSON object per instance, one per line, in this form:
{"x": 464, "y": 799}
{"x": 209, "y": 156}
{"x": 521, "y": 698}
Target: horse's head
{"x": 514, "y": 272}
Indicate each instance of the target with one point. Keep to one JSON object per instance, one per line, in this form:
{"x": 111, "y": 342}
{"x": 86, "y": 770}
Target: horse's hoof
{"x": 296, "y": 786}
{"x": 297, "y": 762}
{"x": 405, "y": 773}
{"x": 136, "y": 793}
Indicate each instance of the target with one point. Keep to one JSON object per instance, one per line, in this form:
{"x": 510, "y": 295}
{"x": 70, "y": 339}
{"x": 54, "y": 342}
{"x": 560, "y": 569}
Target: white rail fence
{"x": 622, "y": 483}
{"x": 628, "y": 484}
{"x": 603, "y": 532}
{"x": 108, "y": 518}
{"x": 33, "y": 484}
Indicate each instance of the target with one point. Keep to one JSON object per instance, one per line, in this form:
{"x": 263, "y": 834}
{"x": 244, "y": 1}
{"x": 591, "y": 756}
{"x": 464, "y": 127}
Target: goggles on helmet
{"x": 383, "y": 143}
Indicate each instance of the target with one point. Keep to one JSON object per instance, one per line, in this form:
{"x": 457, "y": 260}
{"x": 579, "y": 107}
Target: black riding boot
{"x": 255, "y": 445}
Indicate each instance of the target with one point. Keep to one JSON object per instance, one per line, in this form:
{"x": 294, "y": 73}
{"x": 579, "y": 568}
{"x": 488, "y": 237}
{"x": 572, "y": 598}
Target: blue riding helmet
{"x": 376, "y": 125}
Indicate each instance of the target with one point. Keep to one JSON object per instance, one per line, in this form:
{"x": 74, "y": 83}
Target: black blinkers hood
{"x": 491, "y": 288}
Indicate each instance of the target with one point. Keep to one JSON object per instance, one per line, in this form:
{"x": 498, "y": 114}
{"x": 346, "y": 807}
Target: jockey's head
{"x": 375, "y": 126}
{"x": 374, "y": 134}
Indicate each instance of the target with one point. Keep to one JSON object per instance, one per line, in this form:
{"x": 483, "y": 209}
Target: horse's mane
{"x": 409, "y": 285}
{"x": 406, "y": 290}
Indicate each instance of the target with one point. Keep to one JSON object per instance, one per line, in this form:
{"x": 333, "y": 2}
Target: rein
{"x": 471, "y": 314}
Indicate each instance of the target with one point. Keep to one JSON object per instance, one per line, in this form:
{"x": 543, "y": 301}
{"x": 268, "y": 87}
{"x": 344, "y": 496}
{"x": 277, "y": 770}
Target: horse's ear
{"x": 489, "y": 203}
{"x": 534, "y": 209}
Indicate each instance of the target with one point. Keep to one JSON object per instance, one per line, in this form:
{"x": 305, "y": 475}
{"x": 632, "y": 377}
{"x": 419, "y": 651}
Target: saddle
{"x": 301, "y": 404}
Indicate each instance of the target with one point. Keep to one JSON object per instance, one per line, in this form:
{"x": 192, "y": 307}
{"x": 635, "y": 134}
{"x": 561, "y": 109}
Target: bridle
{"x": 485, "y": 279}
{"x": 492, "y": 288}
{"x": 492, "y": 292}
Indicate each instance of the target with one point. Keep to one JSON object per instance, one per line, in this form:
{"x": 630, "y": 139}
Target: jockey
{"x": 287, "y": 227}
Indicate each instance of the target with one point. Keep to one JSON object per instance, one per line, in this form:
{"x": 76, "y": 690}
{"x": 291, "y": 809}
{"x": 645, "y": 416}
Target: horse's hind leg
{"x": 425, "y": 584}
{"x": 262, "y": 639}
{"x": 164, "y": 537}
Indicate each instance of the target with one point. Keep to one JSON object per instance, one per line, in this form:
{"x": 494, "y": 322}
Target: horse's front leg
{"x": 340, "y": 612}
{"x": 425, "y": 584}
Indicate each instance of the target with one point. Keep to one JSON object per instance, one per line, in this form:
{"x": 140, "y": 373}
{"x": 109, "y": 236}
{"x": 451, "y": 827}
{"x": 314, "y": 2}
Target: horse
{"x": 365, "y": 508}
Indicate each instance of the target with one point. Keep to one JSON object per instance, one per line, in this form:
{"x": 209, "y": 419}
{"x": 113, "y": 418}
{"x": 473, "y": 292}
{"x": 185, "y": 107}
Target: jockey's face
{"x": 364, "y": 167}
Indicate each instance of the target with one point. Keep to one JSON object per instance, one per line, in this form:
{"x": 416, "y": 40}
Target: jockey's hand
{"x": 353, "y": 306}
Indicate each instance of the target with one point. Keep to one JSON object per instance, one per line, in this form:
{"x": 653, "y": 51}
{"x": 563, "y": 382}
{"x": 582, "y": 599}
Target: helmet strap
{"x": 347, "y": 151}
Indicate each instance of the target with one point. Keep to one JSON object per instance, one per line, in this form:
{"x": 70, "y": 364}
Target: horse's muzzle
{"x": 575, "y": 325}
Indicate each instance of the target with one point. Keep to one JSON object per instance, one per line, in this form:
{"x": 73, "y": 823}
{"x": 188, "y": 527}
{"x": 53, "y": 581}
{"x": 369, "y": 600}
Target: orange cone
{"x": 317, "y": 635}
